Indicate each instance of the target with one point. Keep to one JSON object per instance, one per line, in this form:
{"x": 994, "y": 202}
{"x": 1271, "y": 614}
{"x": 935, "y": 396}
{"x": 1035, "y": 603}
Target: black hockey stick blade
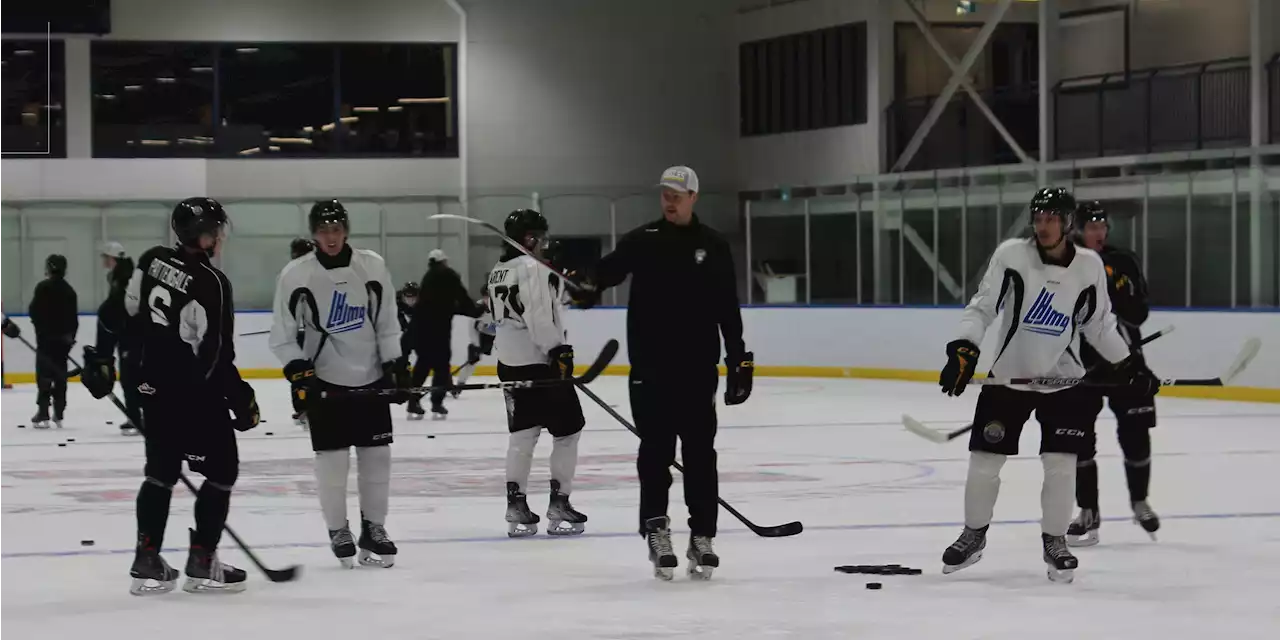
{"x": 777, "y": 531}
{"x": 602, "y": 361}
{"x": 274, "y": 575}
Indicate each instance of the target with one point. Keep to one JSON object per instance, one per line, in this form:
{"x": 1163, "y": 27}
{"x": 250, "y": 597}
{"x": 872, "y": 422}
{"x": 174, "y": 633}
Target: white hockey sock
{"x": 1058, "y": 493}
{"x": 373, "y": 476}
{"x": 465, "y": 373}
{"x": 564, "y": 461}
{"x": 331, "y": 484}
{"x": 981, "y": 488}
{"x": 520, "y": 448}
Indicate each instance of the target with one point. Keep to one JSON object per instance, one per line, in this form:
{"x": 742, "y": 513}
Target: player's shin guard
{"x": 1057, "y": 493}
{"x": 332, "y": 468}
{"x": 520, "y": 446}
{"x": 373, "y": 475}
{"x": 213, "y": 503}
{"x": 1084, "y": 530}
{"x": 154, "y": 497}
{"x": 981, "y": 488}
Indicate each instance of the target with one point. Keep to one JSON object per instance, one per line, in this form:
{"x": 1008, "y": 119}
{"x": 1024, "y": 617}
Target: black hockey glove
{"x": 562, "y": 361}
{"x": 473, "y": 353}
{"x": 585, "y": 295}
{"x": 245, "y": 406}
{"x": 395, "y": 375}
{"x": 962, "y": 361}
{"x": 11, "y": 328}
{"x": 301, "y": 375}
{"x": 99, "y": 373}
{"x": 1137, "y": 378}
{"x": 738, "y": 377}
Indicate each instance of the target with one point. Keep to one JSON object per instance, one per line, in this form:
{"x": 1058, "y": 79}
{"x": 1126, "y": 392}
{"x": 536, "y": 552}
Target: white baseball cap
{"x": 113, "y": 249}
{"x": 680, "y": 178}
{"x": 437, "y": 255}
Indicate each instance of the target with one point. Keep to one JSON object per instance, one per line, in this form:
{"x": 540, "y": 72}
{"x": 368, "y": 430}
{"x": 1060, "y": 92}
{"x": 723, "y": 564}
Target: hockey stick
{"x": 503, "y": 235}
{"x": 255, "y": 333}
{"x": 776, "y": 531}
{"x": 592, "y": 372}
{"x": 287, "y": 574}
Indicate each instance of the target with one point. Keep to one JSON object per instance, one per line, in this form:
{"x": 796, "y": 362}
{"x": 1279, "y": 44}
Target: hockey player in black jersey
{"x": 1135, "y": 413}
{"x": 53, "y": 315}
{"x": 406, "y": 300}
{"x": 190, "y": 389}
{"x": 115, "y": 335}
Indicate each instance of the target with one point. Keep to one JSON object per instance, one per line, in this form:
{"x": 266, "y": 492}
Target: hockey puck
{"x": 270, "y": 433}
{"x": 431, "y": 437}
{"x": 71, "y": 439}
{"x": 22, "y": 426}
{"x": 874, "y": 585}
{"x": 86, "y": 543}
{"x": 62, "y": 444}
{"x": 110, "y": 422}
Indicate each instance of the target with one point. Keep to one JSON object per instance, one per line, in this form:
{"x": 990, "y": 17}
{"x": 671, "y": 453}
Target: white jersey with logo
{"x": 1044, "y": 311}
{"x": 527, "y": 308}
{"x": 347, "y": 316}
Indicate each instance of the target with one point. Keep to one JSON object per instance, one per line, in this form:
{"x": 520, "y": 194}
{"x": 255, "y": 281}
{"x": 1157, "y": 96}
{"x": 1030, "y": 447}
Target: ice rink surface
{"x": 830, "y": 453}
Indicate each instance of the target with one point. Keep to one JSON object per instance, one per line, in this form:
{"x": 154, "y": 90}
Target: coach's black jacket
{"x": 683, "y": 294}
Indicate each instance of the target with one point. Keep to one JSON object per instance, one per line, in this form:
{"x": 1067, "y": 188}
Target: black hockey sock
{"x": 1087, "y": 484}
{"x": 1139, "y": 476}
{"x": 212, "y": 505}
{"x": 153, "y": 513}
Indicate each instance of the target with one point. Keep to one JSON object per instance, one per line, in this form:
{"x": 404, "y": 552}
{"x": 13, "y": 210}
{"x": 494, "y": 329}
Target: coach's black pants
{"x": 433, "y": 362}
{"x": 669, "y": 404}
{"x": 51, "y": 375}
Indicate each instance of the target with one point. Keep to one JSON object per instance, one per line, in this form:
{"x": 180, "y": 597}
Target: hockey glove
{"x": 738, "y": 378}
{"x": 395, "y": 375}
{"x": 473, "y": 353}
{"x": 1138, "y": 379}
{"x": 962, "y": 361}
{"x": 585, "y": 295}
{"x": 301, "y": 375}
{"x": 246, "y": 408}
{"x": 562, "y": 361}
{"x": 11, "y": 328}
{"x": 99, "y": 373}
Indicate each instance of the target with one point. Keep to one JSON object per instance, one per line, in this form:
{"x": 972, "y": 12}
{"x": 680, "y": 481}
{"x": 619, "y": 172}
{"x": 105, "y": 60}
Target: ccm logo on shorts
{"x": 1076, "y": 433}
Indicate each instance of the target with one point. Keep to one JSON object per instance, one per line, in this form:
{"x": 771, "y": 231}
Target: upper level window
{"x": 152, "y": 99}
{"x": 803, "y": 81}
{"x": 34, "y": 92}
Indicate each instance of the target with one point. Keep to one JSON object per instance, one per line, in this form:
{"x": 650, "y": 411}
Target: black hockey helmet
{"x": 410, "y": 289}
{"x": 1055, "y": 200}
{"x": 300, "y": 247}
{"x": 328, "y": 212}
{"x": 56, "y": 265}
{"x": 521, "y": 222}
{"x": 195, "y": 217}
{"x": 1091, "y": 211}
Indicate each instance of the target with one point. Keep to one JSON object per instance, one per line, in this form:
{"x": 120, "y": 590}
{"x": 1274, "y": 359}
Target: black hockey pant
{"x": 51, "y": 376}
{"x": 434, "y": 363}
{"x": 668, "y": 405}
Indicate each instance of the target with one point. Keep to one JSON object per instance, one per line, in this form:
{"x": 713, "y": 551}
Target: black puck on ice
{"x": 270, "y": 433}
{"x": 86, "y": 543}
{"x": 874, "y": 585}
{"x": 22, "y": 426}
{"x": 110, "y": 422}
{"x": 62, "y": 444}
{"x": 71, "y": 439}
{"x": 431, "y": 437}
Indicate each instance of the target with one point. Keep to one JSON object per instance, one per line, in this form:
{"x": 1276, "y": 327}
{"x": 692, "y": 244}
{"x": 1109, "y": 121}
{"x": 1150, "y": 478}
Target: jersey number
{"x": 159, "y": 301}
{"x": 510, "y": 297}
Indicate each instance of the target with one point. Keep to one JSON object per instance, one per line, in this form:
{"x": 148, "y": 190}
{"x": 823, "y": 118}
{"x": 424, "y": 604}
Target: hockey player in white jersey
{"x": 343, "y": 299}
{"x": 481, "y": 341}
{"x": 525, "y": 298}
{"x": 1048, "y": 293}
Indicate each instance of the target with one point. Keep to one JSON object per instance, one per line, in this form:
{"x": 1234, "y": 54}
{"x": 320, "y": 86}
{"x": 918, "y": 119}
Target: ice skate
{"x": 129, "y": 429}
{"x": 438, "y": 412}
{"x": 41, "y": 419}
{"x": 343, "y": 545}
{"x": 1146, "y": 518}
{"x": 521, "y": 521}
{"x": 1060, "y": 564}
{"x": 300, "y": 420}
{"x": 702, "y": 558}
{"x": 151, "y": 574}
{"x": 376, "y": 549}
{"x": 207, "y": 574}
{"x": 1083, "y": 531}
{"x": 562, "y": 518}
{"x": 414, "y": 409}
{"x": 57, "y": 418}
{"x": 456, "y": 392}
{"x": 965, "y": 551}
{"x": 657, "y": 534}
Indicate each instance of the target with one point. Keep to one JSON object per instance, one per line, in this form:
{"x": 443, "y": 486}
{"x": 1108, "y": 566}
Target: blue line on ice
{"x": 625, "y": 534}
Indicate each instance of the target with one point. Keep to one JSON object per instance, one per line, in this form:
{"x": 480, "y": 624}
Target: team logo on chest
{"x": 699, "y": 255}
{"x": 1042, "y": 318}
{"x": 342, "y": 316}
